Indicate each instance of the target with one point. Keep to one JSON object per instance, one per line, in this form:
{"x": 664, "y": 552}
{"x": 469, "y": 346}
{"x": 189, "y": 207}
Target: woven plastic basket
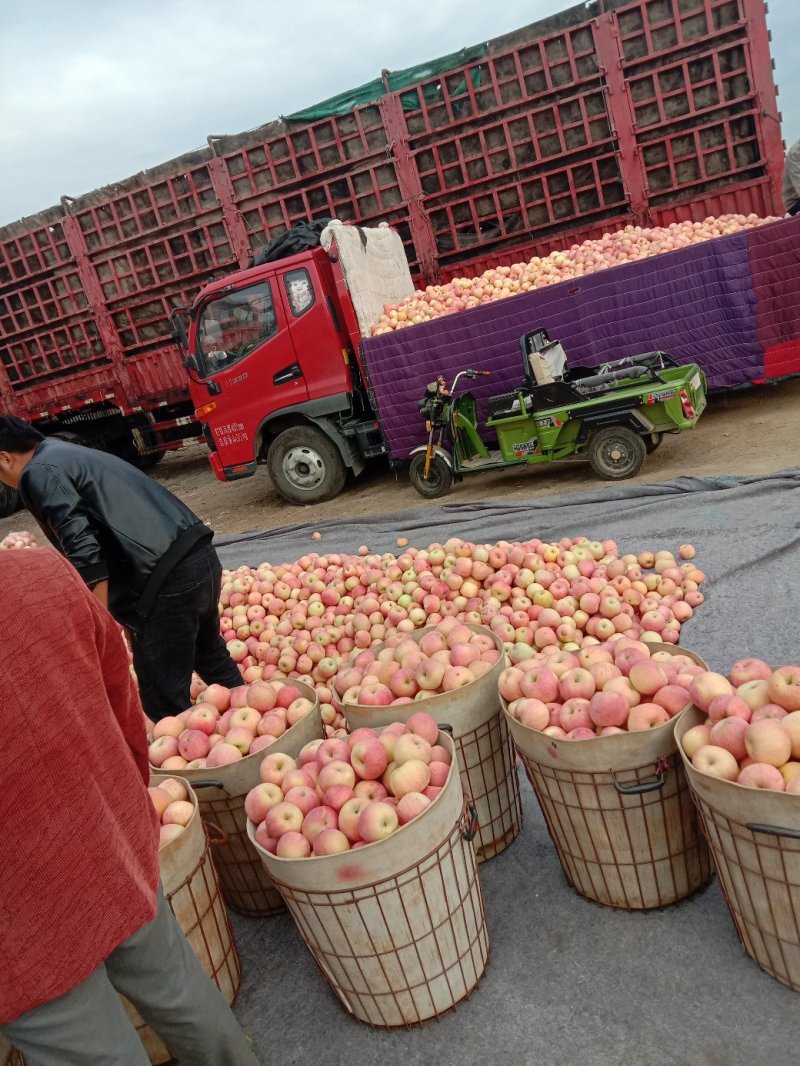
{"x": 192, "y": 890}
{"x": 619, "y": 813}
{"x": 485, "y": 755}
{"x": 245, "y": 883}
{"x": 397, "y": 927}
{"x": 754, "y": 836}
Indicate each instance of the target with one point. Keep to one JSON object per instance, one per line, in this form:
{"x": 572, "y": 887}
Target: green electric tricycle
{"x": 614, "y": 415}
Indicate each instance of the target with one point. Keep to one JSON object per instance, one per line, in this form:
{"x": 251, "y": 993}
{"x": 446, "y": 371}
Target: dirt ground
{"x": 756, "y": 431}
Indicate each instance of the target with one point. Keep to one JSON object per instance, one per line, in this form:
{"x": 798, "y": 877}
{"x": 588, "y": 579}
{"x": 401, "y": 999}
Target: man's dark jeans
{"x": 181, "y": 634}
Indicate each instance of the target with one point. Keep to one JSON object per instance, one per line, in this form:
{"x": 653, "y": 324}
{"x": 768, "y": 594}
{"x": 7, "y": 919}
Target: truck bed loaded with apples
{"x": 601, "y": 136}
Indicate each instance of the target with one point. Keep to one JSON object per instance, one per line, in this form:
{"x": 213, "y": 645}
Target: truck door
{"x": 316, "y": 334}
{"x": 245, "y": 346}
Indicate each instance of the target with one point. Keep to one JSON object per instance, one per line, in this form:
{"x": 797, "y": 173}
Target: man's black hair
{"x": 17, "y": 435}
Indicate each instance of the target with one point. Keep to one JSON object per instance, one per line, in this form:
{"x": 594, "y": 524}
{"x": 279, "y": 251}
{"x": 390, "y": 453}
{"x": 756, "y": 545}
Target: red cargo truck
{"x": 605, "y": 114}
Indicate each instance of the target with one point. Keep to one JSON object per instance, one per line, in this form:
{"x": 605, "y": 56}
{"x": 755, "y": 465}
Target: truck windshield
{"x": 233, "y": 325}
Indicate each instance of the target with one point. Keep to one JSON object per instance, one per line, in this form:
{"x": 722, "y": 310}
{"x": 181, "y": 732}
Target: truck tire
{"x": 616, "y": 453}
{"x": 9, "y": 501}
{"x": 305, "y": 465}
{"x": 438, "y": 481}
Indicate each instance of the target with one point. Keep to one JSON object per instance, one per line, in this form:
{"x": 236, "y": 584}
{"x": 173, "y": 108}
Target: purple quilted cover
{"x": 698, "y": 304}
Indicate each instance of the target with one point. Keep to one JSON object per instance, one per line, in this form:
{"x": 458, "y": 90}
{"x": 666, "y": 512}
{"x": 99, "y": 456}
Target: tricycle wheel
{"x": 653, "y": 441}
{"x": 616, "y": 452}
{"x": 438, "y": 481}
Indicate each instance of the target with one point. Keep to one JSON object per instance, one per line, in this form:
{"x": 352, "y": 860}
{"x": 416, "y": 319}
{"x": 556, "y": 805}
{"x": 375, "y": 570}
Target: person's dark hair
{"x": 17, "y": 435}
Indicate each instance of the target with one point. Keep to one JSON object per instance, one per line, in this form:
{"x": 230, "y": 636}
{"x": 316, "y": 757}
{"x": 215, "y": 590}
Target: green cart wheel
{"x": 616, "y": 453}
{"x": 653, "y": 441}
{"x": 438, "y": 481}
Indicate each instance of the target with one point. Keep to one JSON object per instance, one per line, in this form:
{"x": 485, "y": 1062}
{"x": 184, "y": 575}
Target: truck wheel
{"x": 305, "y": 465}
{"x": 616, "y": 452}
{"x": 9, "y": 501}
{"x": 438, "y": 481}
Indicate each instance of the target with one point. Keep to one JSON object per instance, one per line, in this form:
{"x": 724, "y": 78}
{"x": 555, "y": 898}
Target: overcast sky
{"x": 92, "y": 92}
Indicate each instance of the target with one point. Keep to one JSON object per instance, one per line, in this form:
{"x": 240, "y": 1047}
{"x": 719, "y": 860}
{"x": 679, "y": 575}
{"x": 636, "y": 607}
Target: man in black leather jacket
{"x": 144, "y": 554}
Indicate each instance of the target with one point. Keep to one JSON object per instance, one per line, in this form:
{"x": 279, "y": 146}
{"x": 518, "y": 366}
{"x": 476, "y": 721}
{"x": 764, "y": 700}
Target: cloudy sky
{"x": 91, "y": 92}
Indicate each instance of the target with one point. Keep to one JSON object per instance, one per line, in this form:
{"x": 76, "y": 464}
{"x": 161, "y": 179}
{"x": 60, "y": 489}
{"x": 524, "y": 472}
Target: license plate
{"x": 695, "y": 382}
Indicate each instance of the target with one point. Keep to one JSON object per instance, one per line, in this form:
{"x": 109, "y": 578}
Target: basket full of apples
{"x": 451, "y": 670}
{"x": 596, "y": 733}
{"x": 376, "y": 868}
{"x": 218, "y": 746}
{"x": 740, "y": 743}
{"x": 192, "y": 890}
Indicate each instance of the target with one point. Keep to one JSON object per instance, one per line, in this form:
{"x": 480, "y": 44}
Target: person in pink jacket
{"x": 83, "y": 914}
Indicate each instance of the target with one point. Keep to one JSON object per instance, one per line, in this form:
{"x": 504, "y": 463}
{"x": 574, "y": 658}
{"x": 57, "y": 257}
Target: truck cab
{"x": 275, "y": 376}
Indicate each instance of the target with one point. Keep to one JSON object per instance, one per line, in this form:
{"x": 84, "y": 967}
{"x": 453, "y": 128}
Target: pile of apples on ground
{"x": 626, "y": 245}
{"x": 304, "y": 620}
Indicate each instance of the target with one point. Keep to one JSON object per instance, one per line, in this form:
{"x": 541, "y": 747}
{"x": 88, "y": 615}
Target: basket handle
{"x": 216, "y": 834}
{"x": 445, "y": 728}
{"x": 469, "y": 820}
{"x": 775, "y": 830}
{"x": 210, "y": 784}
{"x": 641, "y": 787}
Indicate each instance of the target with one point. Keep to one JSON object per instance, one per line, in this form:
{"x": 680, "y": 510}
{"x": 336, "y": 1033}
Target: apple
{"x": 791, "y": 723}
{"x": 275, "y": 767}
{"x": 411, "y": 805}
{"x": 706, "y": 686}
{"x": 728, "y": 706}
{"x": 369, "y": 759}
{"x": 260, "y": 799}
{"x": 370, "y": 790}
{"x": 239, "y": 737}
{"x": 579, "y": 683}
{"x": 174, "y": 788}
{"x": 716, "y": 762}
{"x": 574, "y": 714}
{"x": 646, "y": 716}
{"x": 531, "y": 713}
{"x": 410, "y": 746}
{"x": 333, "y": 750}
{"x": 283, "y": 818}
{"x": 331, "y": 841}
{"x": 729, "y": 733}
{"x": 293, "y": 845}
{"x": 163, "y": 748}
{"x": 608, "y": 708}
{"x": 769, "y": 742}
{"x": 262, "y": 696}
{"x": 412, "y": 776}
{"x": 754, "y": 693}
{"x": 304, "y": 797}
{"x": 160, "y": 799}
{"x": 762, "y": 775}
{"x": 424, "y": 725}
{"x": 377, "y": 821}
{"x": 317, "y": 820}
{"x": 784, "y": 687}
{"x": 349, "y": 816}
{"x": 648, "y": 677}
{"x": 337, "y": 796}
{"x": 673, "y": 698}
{"x": 246, "y": 718}
{"x": 179, "y": 812}
{"x": 749, "y": 670}
{"x": 337, "y": 773}
{"x": 170, "y": 726}
{"x": 430, "y": 674}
